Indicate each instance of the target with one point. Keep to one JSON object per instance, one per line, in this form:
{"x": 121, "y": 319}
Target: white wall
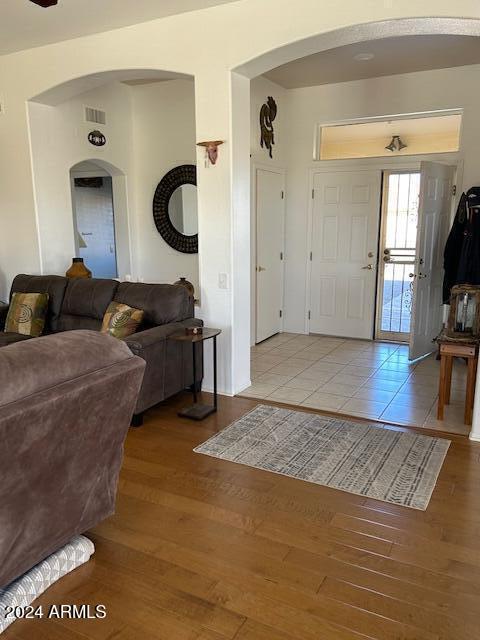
{"x": 180, "y": 44}
{"x": 163, "y": 138}
{"x": 150, "y": 129}
{"x": 58, "y": 138}
{"x": 422, "y": 91}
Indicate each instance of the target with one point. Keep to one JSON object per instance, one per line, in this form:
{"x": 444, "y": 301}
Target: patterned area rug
{"x": 367, "y": 460}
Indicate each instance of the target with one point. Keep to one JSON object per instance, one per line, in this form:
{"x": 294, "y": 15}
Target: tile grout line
{"x": 379, "y": 355}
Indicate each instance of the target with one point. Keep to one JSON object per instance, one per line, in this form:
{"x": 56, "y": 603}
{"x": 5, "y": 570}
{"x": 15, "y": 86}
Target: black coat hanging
{"x": 461, "y": 258}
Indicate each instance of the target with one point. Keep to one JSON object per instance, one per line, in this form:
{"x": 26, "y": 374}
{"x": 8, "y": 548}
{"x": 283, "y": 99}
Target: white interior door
{"x": 270, "y": 209}
{"x": 434, "y": 212}
{"x": 345, "y": 223}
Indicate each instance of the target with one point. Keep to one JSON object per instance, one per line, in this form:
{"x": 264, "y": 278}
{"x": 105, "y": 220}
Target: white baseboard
{"x": 220, "y": 392}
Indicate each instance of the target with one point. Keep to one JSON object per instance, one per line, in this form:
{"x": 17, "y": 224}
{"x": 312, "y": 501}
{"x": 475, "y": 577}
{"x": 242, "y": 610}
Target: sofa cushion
{"x": 11, "y": 338}
{"x": 161, "y": 303}
{"x": 53, "y": 285}
{"x": 120, "y": 320}
{"x": 85, "y": 303}
{"x": 88, "y": 351}
{"x": 27, "y": 313}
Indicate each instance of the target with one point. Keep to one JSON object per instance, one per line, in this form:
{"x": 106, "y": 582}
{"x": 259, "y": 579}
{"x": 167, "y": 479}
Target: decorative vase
{"x": 187, "y": 284}
{"x": 78, "y": 269}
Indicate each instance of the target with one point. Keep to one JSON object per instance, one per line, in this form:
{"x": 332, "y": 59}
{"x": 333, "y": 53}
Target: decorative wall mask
{"x": 268, "y": 113}
{"x": 97, "y": 138}
{"x": 211, "y": 149}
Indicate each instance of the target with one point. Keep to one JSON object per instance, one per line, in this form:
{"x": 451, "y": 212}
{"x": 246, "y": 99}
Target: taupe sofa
{"x": 65, "y": 407}
{"x": 81, "y": 304}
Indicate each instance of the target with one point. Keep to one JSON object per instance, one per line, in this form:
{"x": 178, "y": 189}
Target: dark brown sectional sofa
{"x": 81, "y": 304}
{"x": 65, "y": 406}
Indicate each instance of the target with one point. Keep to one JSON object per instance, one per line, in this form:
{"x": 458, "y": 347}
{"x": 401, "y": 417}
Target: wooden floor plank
{"x": 204, "y": 549}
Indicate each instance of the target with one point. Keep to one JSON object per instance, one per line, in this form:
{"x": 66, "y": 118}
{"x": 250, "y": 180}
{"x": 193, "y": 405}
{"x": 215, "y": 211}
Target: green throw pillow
{"x": 27, "y": 313}
{"x": 120, "y": 320}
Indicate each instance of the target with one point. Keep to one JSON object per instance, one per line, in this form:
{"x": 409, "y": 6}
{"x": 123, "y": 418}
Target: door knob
{"x": 261, "y": 269}
{"x": 368, "y": 266}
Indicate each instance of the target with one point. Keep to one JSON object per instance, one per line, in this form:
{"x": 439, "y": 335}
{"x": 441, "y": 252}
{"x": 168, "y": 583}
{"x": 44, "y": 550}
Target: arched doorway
{"x": 93, "y": 210}
{"x": 299, "y": 193}
{"x": 148, "y": 121}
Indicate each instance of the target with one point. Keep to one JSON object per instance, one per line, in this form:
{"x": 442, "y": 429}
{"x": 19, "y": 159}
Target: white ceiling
{"x": 24, "y": 25}
{"x": 391, "y": 56}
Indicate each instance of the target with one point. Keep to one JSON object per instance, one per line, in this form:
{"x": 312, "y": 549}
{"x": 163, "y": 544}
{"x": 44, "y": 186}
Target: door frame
{"x": 280, "y": 170}
{"x": 397, "y": 163}
{"x": 101, "y": 173}
{"x": 386, "y": 335}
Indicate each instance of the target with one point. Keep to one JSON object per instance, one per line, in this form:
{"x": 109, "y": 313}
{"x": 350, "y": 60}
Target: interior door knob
{"x": 261, "y": 269}
{"x": 368, "y": 266}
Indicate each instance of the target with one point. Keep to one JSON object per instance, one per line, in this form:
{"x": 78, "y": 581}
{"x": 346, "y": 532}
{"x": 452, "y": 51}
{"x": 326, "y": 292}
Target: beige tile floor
{"x": 357, "y": 378}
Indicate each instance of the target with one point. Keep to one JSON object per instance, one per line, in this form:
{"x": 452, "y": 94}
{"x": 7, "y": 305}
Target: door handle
{"x": 261, "y": 269}
{"x": 368, "y": 266}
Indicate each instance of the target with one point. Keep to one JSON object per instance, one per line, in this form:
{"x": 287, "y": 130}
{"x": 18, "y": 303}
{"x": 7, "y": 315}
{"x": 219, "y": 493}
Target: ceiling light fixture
{"x": 363, "y": 57}
{"x": 396, "y": 144}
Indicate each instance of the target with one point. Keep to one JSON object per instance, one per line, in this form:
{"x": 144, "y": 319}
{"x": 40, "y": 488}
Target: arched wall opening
{"x": 322, "y": 42}
{"x": 100, "y": 217}
{"x": 222, "y": 87}
{"x": 148, "y": 121}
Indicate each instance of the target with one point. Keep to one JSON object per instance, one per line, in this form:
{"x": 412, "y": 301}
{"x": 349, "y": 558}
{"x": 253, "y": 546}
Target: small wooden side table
{"x": 199, "y": 411}
{"x": 448, "y": 351}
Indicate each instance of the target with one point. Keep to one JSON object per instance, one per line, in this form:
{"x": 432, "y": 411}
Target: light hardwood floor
{"x": 204, "y": 549}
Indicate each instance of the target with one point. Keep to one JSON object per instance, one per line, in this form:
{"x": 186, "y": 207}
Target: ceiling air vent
{"x": 95, "y": 115}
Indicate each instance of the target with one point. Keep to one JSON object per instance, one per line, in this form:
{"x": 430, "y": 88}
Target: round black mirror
{"x": 182, "y": 209}
{"x": 175, "y": 208}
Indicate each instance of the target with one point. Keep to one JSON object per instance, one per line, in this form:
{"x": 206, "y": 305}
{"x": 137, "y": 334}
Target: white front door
{"x": 270, "y": 210}
{"x": 344, "y": 244}
{"x": 434, "y": 212}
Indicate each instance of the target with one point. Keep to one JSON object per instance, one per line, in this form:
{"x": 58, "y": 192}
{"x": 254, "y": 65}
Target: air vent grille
{"x": 95, "y": 115}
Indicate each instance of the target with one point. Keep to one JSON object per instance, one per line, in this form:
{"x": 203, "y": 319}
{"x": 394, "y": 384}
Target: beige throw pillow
{"x": 120, "y": 320}
{"x": 27, "y": 313}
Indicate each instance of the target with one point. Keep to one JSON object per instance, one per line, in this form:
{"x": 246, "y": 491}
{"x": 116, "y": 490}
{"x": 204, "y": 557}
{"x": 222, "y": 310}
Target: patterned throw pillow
{"x": 120, "y": 320}
{"x": 27, "y": 313}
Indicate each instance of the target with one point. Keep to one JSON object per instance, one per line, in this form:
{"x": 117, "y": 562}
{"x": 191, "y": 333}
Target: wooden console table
{"x": 448, "y": 351}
